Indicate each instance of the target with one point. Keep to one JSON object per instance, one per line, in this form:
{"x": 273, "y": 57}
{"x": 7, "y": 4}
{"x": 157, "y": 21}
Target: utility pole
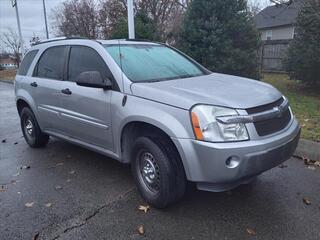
{"x": 45, "y": 18}
{"x": 15, "y": 5}
{"x": 130, "y": 20}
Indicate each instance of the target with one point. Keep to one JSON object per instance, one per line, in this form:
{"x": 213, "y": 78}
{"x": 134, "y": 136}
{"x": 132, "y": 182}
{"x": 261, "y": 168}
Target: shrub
{"x": 303, "y": 59}
{"x": 221, "y": 35}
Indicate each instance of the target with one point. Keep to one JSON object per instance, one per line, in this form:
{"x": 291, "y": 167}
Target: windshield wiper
{"x": 186, "y": 75}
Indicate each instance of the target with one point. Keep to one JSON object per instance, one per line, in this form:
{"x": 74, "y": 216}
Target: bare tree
{"x": 11, "y": 41}
{"x": 255, "y": 6}
{"x": 166, "y": 14}
{"x": 77, "y": 17}
{"x": 110, "y": 14}
{"x": 91, "y": 20}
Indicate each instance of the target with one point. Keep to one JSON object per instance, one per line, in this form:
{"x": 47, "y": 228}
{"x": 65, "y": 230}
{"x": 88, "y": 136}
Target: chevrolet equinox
{"x": 154, "y": 107}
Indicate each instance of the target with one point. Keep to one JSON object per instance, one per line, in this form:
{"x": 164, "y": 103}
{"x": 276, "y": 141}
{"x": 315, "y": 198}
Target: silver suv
{"x": 152, "y": 106}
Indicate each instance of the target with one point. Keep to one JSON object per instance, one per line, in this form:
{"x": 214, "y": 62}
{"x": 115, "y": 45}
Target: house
{"x": 276, "y": 26}
{"x": 8, "y": 63}
{"x": 276, "y": 22}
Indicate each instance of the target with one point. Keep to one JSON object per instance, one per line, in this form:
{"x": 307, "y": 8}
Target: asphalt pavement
{"x": 66, "y": 192}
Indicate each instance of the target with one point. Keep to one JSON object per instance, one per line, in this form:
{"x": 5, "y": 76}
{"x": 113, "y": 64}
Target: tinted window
{"x": 83, "y": 59}
{"x": 26, "y": 62}
{"x": 51, "y": 63}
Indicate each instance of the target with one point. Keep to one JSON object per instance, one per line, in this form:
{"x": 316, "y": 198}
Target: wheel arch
{"x": 135, "y": 129}
{"x": 21, "y": 103}
{"x": 24, "y": 98}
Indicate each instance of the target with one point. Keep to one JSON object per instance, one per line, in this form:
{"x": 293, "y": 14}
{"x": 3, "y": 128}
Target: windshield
{"x": 151, "y": 63}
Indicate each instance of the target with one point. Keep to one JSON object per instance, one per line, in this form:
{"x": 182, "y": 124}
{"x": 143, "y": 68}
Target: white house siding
{"x": 278, "y": 33}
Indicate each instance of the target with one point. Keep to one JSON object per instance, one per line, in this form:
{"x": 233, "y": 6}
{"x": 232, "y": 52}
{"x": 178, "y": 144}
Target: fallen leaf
{"x": 312, "y": 167}
{"x": 25, "y": 167}
{"x": 306, "y": 201}
{"x": 307, "y": 161}
{"x": 69, "y": 180}
{"x": 303, "y": 125}
{"x": 4, "y": 140}
{"x": 2, "y": 189}
{"x": 317, "y": 163}
{"x": 49, "y": 204}
{"x": 15, "y": 143}
{"x": 58, "y": 187}
{"x": 306, "y": 120}
{"x": 60, "y": 164}
{"x": 251, "y": 231}
{"x": 29, "y": 204}
{"x": 16, "y": 175}
{"x": 36, "y": 236}
{"x": 141, "y": 230}
{"x": 18, "y": 192}
{"x": 282, "y": 166}
{"x": 144, "y": 208}
{"x": 72, "y": 172}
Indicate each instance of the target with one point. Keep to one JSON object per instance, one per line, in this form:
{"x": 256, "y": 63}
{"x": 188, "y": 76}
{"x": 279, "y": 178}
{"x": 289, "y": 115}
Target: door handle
{"x": 66, "y": 91}
{"x": 34, "y": 84}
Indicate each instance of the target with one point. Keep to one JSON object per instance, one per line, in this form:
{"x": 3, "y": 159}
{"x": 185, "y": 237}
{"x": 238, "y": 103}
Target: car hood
{"x": 216, "y": 89}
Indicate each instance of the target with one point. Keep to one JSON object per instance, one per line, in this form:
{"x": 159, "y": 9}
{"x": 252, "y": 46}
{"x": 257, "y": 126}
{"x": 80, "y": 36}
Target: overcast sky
{"x": 32, "y": 19}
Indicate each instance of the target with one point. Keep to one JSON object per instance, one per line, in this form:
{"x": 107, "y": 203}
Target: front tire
{"x": 31, "y": 130}
{"x": 157, "y": 171}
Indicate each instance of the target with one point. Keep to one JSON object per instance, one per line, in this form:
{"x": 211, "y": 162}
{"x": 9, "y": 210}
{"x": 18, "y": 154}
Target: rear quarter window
{"x": 26, "y": 62}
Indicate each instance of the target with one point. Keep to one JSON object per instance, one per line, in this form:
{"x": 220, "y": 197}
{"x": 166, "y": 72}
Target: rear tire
{"x": 157, "y": 171}
{"x": 31, "y": 130}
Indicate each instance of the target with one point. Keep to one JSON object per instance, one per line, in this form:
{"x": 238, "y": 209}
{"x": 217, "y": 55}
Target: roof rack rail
{"x": 145, "y": 40}
{"x": 57, "y": 39}
{"x": 137, "y": 40}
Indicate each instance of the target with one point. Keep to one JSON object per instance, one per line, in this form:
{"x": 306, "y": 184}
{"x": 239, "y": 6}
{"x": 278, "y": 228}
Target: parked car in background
{"x": 152, "y": 106}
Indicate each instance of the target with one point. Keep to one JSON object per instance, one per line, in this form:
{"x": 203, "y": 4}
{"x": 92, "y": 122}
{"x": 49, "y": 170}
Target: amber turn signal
{"x": 196, "y": 126}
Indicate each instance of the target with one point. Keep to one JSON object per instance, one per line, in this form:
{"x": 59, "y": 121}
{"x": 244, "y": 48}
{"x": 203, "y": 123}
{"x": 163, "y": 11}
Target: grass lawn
{"x": 304, "y": 101}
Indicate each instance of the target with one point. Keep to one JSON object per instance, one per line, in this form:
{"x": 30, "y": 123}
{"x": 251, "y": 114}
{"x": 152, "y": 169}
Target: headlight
{"x": 206, "y": 127}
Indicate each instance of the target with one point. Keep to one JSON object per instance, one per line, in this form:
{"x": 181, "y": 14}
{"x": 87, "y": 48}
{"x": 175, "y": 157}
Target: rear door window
{"x": 26, "y": 62}
{"x": 51, "y": 63}
{"x": 83, "y": 59}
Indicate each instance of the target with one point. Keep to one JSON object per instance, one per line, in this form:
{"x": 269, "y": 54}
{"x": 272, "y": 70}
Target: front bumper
{"x": 209, "y": 165}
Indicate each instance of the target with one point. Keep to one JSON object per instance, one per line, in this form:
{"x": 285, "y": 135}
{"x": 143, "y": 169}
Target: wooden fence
{"x": 272, "y": 54}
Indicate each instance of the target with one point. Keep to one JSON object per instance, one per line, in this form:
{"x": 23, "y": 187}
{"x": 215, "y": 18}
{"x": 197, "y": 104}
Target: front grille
{"x": 272, "y": 125}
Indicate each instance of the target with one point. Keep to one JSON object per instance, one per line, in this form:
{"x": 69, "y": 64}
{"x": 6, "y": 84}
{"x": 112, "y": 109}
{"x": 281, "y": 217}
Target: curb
{"x": 7, "y": 81}
{"x": 308, "y": 149}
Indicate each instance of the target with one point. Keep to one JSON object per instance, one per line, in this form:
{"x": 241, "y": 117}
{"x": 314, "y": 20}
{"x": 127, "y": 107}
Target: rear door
{"x": 24, "y": 81}
{"x": 86, "y": 111}
{"x": 46, "y": 83}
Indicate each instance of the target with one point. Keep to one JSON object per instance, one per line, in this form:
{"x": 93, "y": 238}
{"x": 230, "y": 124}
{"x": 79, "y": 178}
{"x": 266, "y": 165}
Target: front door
{"x": 86, "y": 111}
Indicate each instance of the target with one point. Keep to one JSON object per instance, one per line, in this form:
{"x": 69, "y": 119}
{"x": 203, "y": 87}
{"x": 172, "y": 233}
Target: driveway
{"x": 66, "y": 192}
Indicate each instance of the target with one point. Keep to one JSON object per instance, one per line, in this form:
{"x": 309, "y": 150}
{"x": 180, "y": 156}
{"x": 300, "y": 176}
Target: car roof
{"x": 66, "y": 40}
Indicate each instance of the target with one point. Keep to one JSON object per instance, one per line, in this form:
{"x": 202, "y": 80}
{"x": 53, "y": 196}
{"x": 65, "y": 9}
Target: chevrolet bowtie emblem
{"x": 279, "y": 111}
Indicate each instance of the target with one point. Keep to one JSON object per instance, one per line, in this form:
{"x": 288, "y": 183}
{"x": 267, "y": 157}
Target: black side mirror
{"x": 93, "y": 79}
